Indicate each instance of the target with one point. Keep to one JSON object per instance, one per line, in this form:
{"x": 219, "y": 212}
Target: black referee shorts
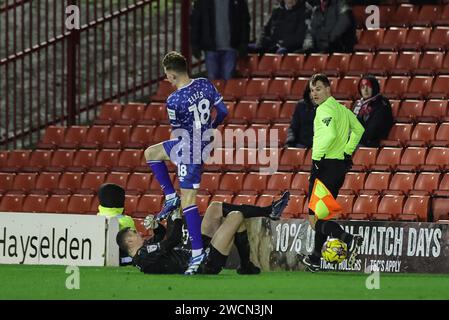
{"x": 331, "y": 172}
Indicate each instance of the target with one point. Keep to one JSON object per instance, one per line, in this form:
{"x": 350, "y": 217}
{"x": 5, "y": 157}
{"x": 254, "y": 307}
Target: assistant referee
{"x": 337, "y": 133}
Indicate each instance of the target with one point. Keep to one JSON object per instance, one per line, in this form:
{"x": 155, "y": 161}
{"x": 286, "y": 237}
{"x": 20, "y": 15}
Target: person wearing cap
{"x": 373, "y": 111}
{"x": 112, "y": 204}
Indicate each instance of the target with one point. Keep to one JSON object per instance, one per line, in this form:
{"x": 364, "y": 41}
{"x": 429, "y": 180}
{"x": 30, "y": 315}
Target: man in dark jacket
{"x": 373, "y": 111}
{"x": 333, "y": 27}
{"x": 300, "y": 132}
{"x": 221, "y": 29}
{"x": 286, "y": 29}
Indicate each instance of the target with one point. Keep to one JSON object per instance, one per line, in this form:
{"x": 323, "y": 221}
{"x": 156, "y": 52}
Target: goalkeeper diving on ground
{"x": 223, "y": 225}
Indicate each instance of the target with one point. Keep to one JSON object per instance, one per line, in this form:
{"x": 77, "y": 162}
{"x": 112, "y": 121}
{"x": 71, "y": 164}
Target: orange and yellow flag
{"x": 322, "y": 202}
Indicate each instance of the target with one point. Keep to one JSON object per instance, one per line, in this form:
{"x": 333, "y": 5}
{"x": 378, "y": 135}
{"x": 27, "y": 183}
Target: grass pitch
{"x": 49, "y": 282}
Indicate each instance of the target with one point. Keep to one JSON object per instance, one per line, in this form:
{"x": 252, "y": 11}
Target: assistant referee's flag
{"x": 322, "y": 202}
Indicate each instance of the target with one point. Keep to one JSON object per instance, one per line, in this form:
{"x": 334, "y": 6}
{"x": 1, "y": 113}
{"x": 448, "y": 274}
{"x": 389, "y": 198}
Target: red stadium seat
{"x": 80, "y": 203}
{"x": 222, "y": 197}
{"x": 163, "y": 91}
{"x": 437, "y": 159}
{"x": 53, "y": 136}
{"x": 427, "y": 183}
{"x": 395, "y": 103}
{"x": 295, "y": 206}
{"x": 439, "y": 88}
{"x": 57, "y": 203}
{"x": 398, "y": 135}
{"x": 6, "y": 181}
{"x": 268, "y": 64}
{"x": 387, "y": 159}
{"x": 96, "y": 136}
{"x": 441, "y": 138}
{"x": 347, "y": 88}
{"x": 161, "y": 133}
{"x": 444, "y": 184}
{"x": 410, "y": 110}
{"x": 131, "y": 113}
{"x": 444, "y": 66}
{"x": 298, "y": 88}
{"x": 210, "y": 181}
{"x": 419, "y": 87}
{"x": 256, "y": 88}
{"x": 119, "y": 178}
{"x": 256, "y": 182}
{"x": 47, "y": 181}
{"x": 360, "y": 63}
{"x": 24, "y": 181}
{"x": 416, "y": 208}
{"x": 35, "y": 203}
{"x": 338, "y": 64}
{"x": 396, "y": 86}
{"x": 246, "y": 66}
{"x": 364, "y": 158}
{"x": 139, "y": 182}
{"x": 131, "y": 202}
{"x": 131, "y": 159}
{"x": 232, "y": 182}
{"x": 300, "y": 183}
{"x": 219, "y": 85}
{"x": 12, "y": 203}
{"x": 265, "y": 200}
{"x": 268, "y": 111}
{"x": 279, "y": 88}
{"x": 245, "y": 199}
{"x": 280, "y": 181}
{"x": 17, "y": 159}
{"x": 91, "y": 182}
{"x": 404, "y": 15}
{"x": 106, "y": 159}
{"x": 376, "y": 182}
{"x": 364, "y": 207}
{"x": 393, "y": 39}
{"x": 39, "y": 159}
{"x": 439, "y": 39}
{"x": 70, "y": 181}
{"x": 74, "y": 136}
{"x": 401, "y": 183}
{"x": 3, "y": 158}
{"x": 118, "y": 136}
{"x": 282, "y": 131}
{"x": 370, "y": 40}
{"x": 407, "y": 63}
{"x": 316, "y": 62}
{"x": 412, "y": 158}
{"x": 383, "y": 61}
{"x": 430, "y": 63}
{"x": 140, "y": 137}
{"x": 292, "y": 158}
{"x": 347, "y": 202}
{"x": 389, "y": 207}
{"x": 291, "y": 65}
{"x": 288, "y": 108}
{"x": 417, "y": 37}
{"x": 354, "y": 182}
{"x": 84, "y": 160}
{"x": 422, "y": 134}
{"x": 156, "y": 112}
{"x": 427, "y": 15}
{"x": 246, "y": 111}
{"x": 109, "y": 113}
{"x": 439, "y": 206}
{"x": 235, "y": 89}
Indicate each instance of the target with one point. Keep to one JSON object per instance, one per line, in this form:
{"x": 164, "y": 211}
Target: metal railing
{"x": 52, "y": 75}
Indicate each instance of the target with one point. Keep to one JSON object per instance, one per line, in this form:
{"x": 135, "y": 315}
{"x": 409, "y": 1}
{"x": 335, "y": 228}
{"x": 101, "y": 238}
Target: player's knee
{"x": 148, "y": 153}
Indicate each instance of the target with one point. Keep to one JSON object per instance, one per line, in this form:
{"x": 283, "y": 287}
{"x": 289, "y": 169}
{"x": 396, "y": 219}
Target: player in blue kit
{"x": 189, "y": 111}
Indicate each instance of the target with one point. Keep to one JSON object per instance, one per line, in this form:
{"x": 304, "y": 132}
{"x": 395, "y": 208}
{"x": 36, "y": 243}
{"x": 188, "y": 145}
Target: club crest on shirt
{"x": 326, "y": 121}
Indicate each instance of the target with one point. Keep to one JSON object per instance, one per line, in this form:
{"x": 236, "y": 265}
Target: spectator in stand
{"x": 373, "y": 111}
{"x": 286, "y": 29}
{"x": 333, "y": 27}
{"x": 221, "y": 29}
{"x": 300, "y": 132}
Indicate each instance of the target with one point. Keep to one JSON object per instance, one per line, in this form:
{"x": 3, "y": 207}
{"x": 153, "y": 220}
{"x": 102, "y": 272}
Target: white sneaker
{"x": 194, "y": 264}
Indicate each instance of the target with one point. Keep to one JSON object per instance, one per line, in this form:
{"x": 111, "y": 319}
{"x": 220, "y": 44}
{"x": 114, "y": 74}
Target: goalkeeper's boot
{"x": 354, "y": 246}
{"x": 194, "y": 264}
{"x": 169, "y": 206}
{"x": 278, "y": 206}
{"x": 248, "y": 268}
{"x": 310, "y": 265}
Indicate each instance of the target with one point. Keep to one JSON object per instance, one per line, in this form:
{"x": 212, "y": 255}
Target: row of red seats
{"x": 227, "y": 159}
{"x": 230, "y": 182}
{"x": 339, "y": 64}
{"x": 405, "y": 15}
{"x": 362, "y": 207}
{"x": 255, "y": 111}
{"x": 394, "y": 87}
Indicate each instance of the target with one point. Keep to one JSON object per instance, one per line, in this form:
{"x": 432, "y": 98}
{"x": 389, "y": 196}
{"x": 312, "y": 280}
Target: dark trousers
{"x": 332, "y": 173}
